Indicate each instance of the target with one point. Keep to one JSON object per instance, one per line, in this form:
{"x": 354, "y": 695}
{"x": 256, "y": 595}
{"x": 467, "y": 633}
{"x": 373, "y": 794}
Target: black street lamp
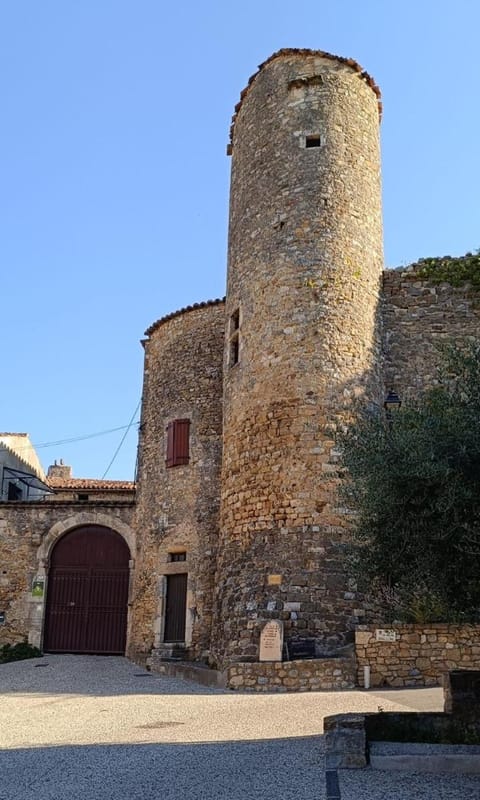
{"x": 392, "y": 402}
{"x": 391, "y": 405}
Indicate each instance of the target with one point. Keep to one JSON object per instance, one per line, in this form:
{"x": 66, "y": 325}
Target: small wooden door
{"x": 176, "y": 608}
{"x": 88, "y": 593}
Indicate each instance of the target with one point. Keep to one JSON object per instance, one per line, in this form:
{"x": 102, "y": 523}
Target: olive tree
{"x": 413, "y": 482}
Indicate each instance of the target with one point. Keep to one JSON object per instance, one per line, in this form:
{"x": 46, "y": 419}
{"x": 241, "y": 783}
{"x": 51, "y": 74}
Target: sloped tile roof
{"x": 92, "y": 484}
{"x": 167, "y": 317}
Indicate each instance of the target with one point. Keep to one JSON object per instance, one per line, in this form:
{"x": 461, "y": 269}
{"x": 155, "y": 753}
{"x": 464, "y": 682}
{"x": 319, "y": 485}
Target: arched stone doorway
{"x": 87, "y": 593}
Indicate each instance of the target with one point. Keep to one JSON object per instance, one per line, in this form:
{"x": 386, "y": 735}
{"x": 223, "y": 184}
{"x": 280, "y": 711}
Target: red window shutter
{"x": 169, "y": 460}
{"x": 178, "y": 442}
{"x": 182, "y": 441}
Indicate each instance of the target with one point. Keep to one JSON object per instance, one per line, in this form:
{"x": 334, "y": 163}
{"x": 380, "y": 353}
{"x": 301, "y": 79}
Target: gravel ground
{"x": 89, "y": 727}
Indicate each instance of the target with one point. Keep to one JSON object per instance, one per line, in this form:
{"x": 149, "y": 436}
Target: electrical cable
{"x": 122, "y": 439}
{"x": 72, "y": 439}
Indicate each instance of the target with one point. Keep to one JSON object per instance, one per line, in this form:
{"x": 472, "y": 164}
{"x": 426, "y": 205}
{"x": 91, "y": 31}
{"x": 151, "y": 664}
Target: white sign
{"x": 271, "y": 641}
{"x": 382, "y": 635}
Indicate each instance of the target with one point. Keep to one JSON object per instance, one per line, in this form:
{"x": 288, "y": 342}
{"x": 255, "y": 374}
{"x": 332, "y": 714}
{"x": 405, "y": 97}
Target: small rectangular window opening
{"x": 178, "y": 556}
{"x": 82, "y": 497}
{"x": 14, "y": 491}
{"x": 313, "y": 141}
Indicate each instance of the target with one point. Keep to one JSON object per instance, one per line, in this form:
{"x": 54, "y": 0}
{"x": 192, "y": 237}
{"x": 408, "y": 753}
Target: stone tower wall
{"x": 417, "y": 316}
{"x": 177, "y": 507}
{"x": 305, "y": 261}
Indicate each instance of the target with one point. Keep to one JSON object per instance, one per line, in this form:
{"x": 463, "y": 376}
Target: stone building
{"x": 237, "y": 520}
{"x": 21, "y": 474}
{"x": 238, "y": 469}
{"x": 66, "y": 560}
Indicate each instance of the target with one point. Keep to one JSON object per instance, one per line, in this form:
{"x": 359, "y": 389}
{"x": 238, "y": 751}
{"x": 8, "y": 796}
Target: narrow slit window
{"x": 313, "y": 141}
{"x": 234, "y": 341}
{"x": 235, "y": 321}
{"x": 234, "y": 350}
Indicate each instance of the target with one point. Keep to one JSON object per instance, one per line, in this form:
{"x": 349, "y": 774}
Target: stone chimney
{"x": 60, "y": 470}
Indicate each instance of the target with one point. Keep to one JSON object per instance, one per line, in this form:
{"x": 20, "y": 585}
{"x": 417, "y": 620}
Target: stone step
{"x": 422, "y": 757}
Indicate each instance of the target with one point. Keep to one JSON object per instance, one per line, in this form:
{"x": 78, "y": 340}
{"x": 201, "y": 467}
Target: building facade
{"x": 236, "y": 519}
{"x": 311, "y": 323}
{"x": 67, "y": 554}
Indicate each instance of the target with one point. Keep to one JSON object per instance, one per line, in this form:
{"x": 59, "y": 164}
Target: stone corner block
{"x": 345, "y": 741}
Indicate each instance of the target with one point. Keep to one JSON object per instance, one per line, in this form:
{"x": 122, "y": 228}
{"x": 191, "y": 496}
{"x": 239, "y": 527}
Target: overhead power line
{"x": 122, "y": 439}
{"x": 77, "y": 438}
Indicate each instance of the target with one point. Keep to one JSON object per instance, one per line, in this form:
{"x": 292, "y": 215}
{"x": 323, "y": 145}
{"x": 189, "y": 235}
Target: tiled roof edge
{"x": 303, "y": 51}
{"x": 66, "y": 484}
{"x": 167, "y": 317}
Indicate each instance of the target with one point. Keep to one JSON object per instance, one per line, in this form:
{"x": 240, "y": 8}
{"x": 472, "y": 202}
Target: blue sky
{"x": 114, "y": 178}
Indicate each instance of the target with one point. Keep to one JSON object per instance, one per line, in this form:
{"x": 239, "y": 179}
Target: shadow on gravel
{"x": 280, "y": 769}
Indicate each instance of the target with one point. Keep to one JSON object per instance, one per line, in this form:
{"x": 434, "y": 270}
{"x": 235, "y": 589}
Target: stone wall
{"x": 177, "y": 507}
{"x": 420, "y": 656}
{"x": 417, "y": 316}
{"x": 305, "y": 262}
{"x": 309, "y": 675}
{"x": 28, "y": 531}
{"x": 97, "y": 496}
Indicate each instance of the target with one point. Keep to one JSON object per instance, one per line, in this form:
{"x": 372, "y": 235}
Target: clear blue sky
{"x": 114, "y": 178}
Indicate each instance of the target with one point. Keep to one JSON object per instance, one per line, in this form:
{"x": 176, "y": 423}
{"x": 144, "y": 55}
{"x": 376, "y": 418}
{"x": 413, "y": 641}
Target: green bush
{"x": 456, "y": 270}
{"x": 18, "y": 652}
{"x": 413, "y": 482}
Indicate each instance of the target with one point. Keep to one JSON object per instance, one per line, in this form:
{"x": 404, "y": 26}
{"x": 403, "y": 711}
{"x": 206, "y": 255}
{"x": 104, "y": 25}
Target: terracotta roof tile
{"x": 167, "y": 317}
{"x": 291, "y": 51}
{"x": 90, "y": 483}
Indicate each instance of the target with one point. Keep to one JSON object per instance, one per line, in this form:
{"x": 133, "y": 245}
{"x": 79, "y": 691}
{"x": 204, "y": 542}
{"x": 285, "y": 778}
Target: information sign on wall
{"x": 38, "y": 587}
{"x": 385, "y": 635}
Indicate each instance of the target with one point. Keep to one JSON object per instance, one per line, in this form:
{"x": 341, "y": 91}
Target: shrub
{"x": 18, "y": 652}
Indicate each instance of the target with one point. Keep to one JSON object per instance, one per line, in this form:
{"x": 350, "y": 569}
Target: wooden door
{"x": 88, "y": 593}
{"x": 176, "y": 608}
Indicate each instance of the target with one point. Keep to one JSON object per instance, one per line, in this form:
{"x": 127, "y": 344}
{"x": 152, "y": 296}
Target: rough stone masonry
{"x": 237, "y": 518}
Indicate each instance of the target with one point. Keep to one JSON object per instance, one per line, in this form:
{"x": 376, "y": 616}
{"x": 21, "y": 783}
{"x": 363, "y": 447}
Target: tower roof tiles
{"x": 155, "y": 325}
{"x": 291, "y": 51}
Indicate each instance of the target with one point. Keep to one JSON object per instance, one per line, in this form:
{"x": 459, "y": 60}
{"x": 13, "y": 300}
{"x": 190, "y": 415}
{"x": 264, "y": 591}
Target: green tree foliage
{"x": 414, "y": 485}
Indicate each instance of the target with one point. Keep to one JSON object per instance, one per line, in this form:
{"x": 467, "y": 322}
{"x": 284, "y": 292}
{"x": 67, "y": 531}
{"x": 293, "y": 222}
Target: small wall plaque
{"x": 38, "y": 587}
{"x": 274, "y": 580}
{"x": 383, "y": 635}
{"x": 291, "y": 606}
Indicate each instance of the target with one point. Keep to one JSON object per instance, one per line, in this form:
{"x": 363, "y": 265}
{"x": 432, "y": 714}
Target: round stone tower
{"x": 179, "y": 455}
{"x": 302, "y": 343}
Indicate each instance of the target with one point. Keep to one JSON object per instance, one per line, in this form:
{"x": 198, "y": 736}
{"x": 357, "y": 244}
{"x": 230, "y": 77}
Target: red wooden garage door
{"x": 87, "y": 593}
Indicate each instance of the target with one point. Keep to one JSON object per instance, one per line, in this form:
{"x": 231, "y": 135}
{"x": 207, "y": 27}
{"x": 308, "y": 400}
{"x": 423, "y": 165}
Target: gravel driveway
{"x": 88, "y": 727}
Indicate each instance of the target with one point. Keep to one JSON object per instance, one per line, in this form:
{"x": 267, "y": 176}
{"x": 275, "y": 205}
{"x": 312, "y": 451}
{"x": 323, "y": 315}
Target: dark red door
{"x": 87, "y": 593}
{"x": 176, "y": 607}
